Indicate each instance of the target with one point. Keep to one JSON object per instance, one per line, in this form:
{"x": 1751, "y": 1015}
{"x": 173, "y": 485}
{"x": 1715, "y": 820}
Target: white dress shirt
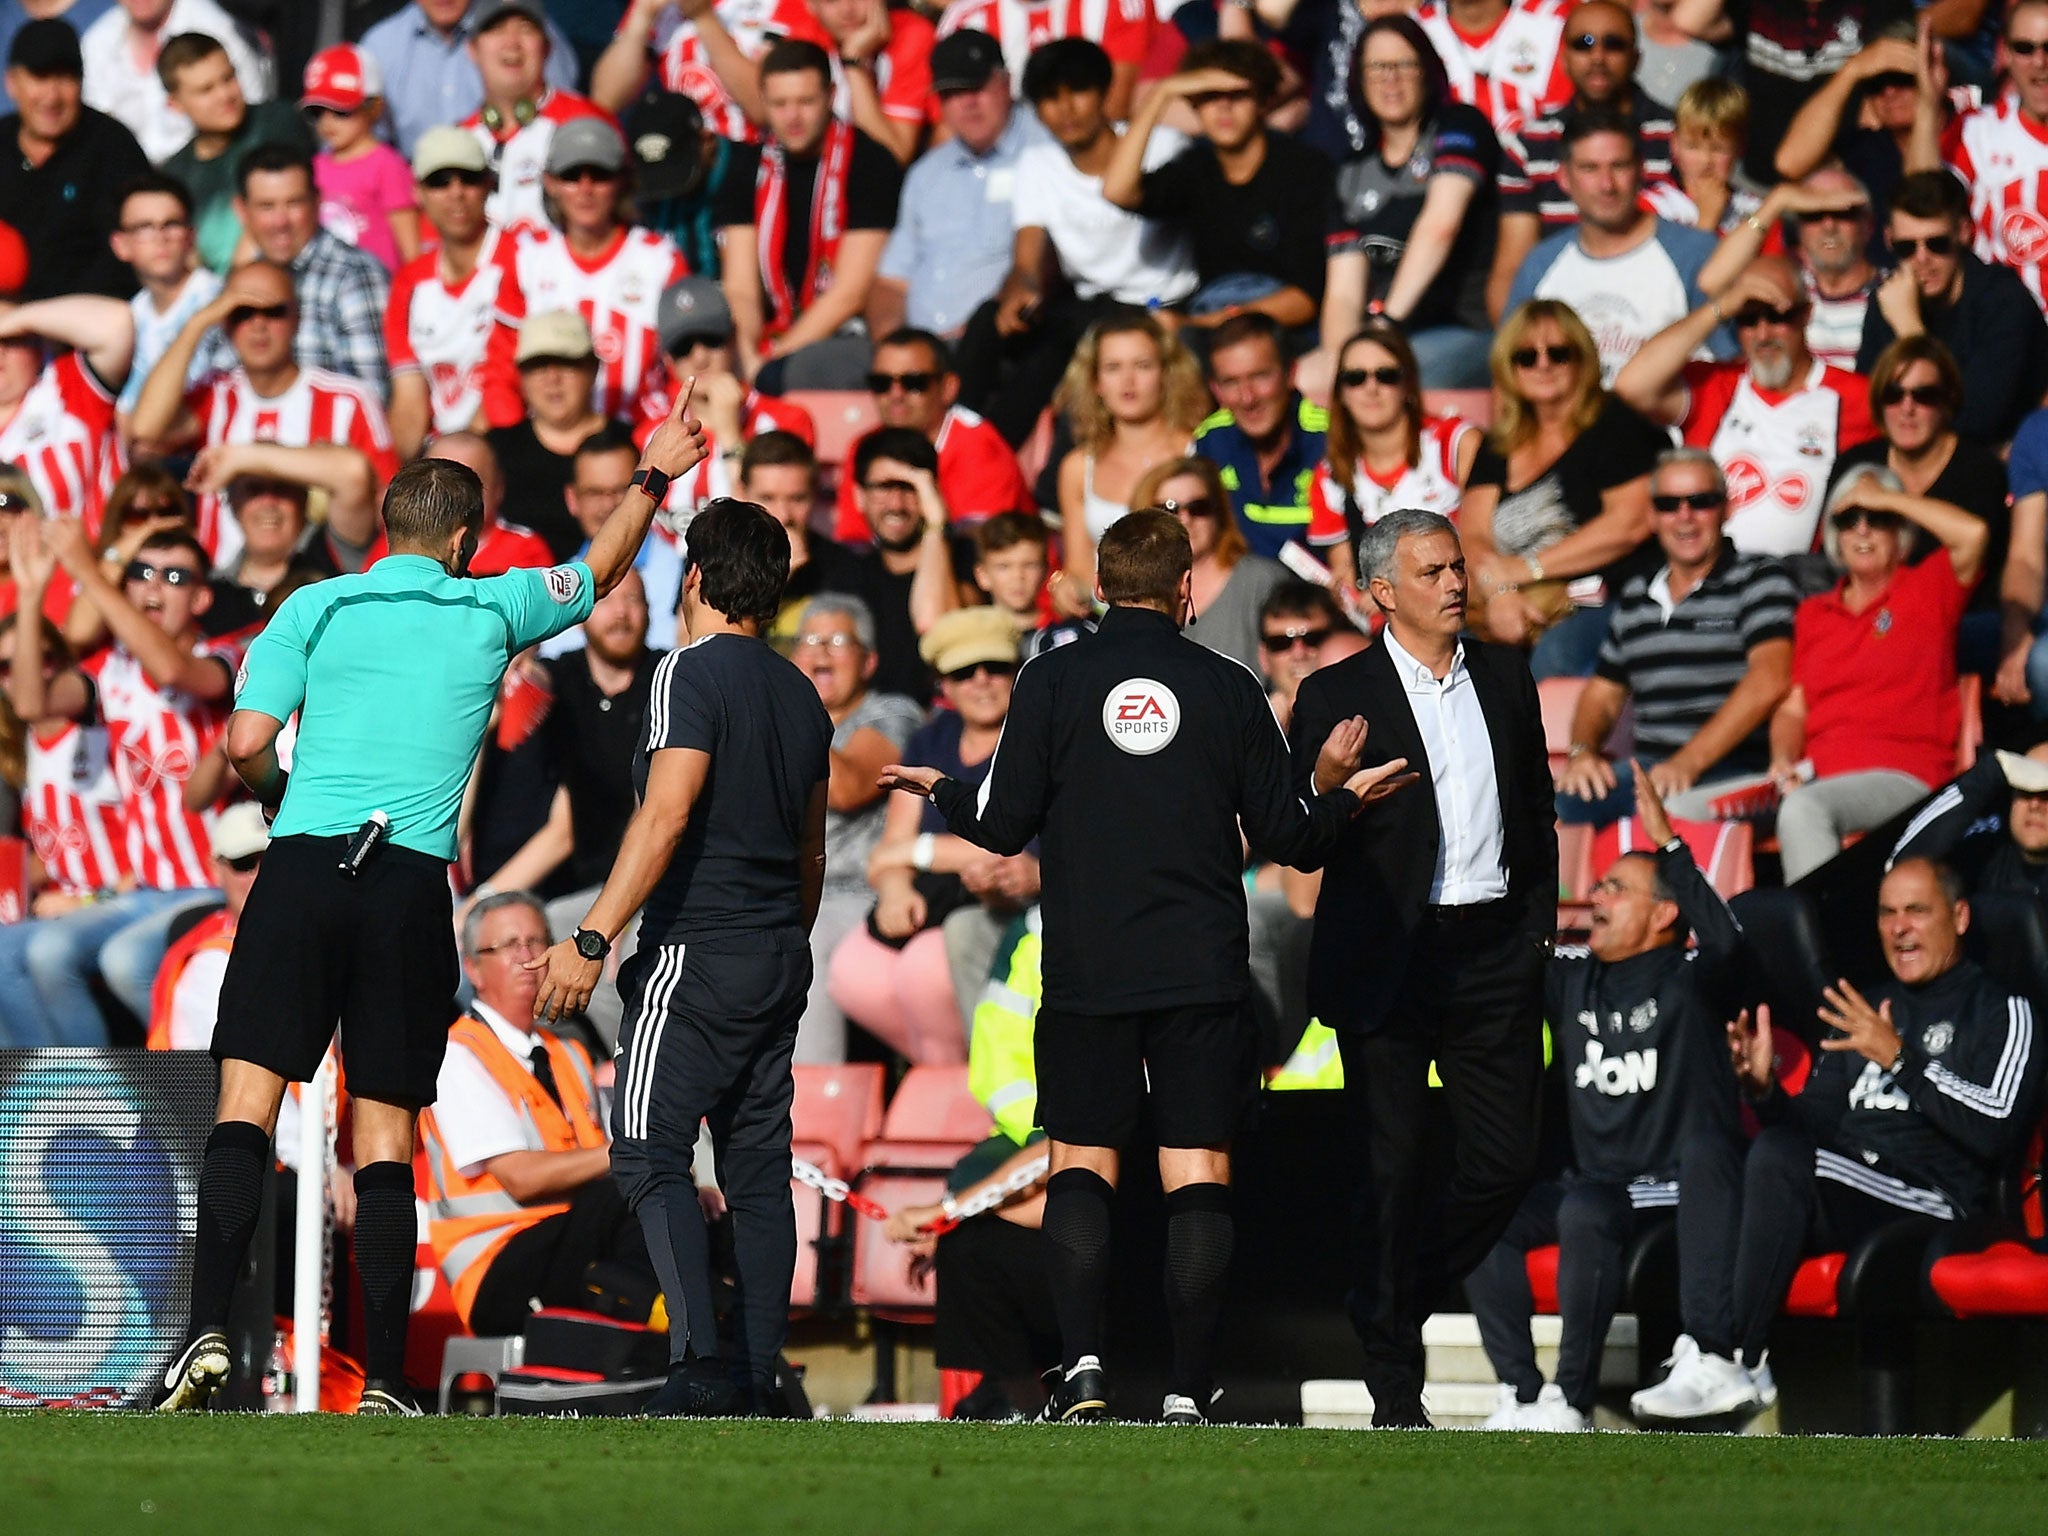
{"x": 477, "y": 1121}
{"x": 1471, "y": 843}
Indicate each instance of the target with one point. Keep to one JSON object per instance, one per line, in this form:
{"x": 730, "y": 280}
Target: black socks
{"x": 386, "y": 1238}
{"x": 1200, "y": 1235}
{"x": 1077, "y": 1236}
{"x": 230, "y": 1194}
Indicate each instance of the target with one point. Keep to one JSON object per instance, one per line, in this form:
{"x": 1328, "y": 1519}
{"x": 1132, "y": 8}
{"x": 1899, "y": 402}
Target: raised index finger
{"x": 683, "y": 400}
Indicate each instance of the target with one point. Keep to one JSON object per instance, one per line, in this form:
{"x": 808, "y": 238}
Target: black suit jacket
{"x": 1376, "y": 883}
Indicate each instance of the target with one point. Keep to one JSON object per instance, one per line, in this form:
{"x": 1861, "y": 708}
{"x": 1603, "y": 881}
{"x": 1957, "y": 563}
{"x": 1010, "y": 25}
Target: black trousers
{"x": 995, "y": 1309}
{"x": 547, "y": 1262}
{"x": 1471, "y": 1003}
{"x": 1746, "y": 1217}
{"x": 1592, "y": 1223}
{"x": 1011, "y": 379}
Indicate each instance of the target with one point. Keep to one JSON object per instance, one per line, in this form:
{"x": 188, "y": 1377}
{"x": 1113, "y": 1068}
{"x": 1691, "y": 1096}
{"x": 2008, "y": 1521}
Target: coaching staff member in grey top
{"x": 1135, "y": 757}
{"x": 727, "y": 852}
{"x": 1432, "y": 930}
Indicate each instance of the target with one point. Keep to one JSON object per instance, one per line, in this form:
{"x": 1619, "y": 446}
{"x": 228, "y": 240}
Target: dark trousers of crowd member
{"x": 1011, "y": 379}
{"x": 1748, "y": 1215}
{"x": 995, "y": 1309}
{"x": 1592, "y": 1224}
{"x": 547, "y": 1263}
{"x": 1471, "y": 1002}
{"x": 708, "y": 1035}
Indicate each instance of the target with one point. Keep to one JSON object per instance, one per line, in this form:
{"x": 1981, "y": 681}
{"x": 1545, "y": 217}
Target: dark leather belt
{"x": 1471, "y": 912}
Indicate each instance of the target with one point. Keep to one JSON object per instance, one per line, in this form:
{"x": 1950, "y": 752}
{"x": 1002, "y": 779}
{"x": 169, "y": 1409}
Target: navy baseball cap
{"x": 46, "y": 48}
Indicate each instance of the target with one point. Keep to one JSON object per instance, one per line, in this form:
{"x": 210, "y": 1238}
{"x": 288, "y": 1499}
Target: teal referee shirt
{"x": 393, "y": 674}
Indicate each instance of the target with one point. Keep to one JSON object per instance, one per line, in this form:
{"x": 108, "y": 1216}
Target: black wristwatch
{"x": 653, "y": 482}
{"x": 590, "y": 944}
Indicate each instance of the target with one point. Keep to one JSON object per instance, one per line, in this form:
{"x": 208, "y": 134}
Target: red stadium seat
{"x": 1475, "y": 405}
{"x": 2008, "y": 1279}
{"x": 881, "y": 1269}
{"x": 1559, "y": 697}
{"x": 1542, "y": 1266}
{"x": 816, "y": 1221}
{"x": 840, "y": 1108}
{"x": 1814, "y": 1287}
{"x": 933, "y": 1104}
{"x": 844, "y": 416}
{"x": 1725, "y": 850}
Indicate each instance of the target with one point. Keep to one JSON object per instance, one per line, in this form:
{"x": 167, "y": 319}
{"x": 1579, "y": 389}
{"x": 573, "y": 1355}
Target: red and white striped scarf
{"x": 828, "y": 223}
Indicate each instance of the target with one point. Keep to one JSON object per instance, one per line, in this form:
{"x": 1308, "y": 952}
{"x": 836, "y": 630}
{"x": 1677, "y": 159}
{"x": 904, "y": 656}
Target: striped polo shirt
{"x": 1680, "y": 661}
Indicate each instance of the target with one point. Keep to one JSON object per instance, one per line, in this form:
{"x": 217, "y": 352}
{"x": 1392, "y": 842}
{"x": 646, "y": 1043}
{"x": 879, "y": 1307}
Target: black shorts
{"x": 1201, "y": 1061}
{"x": 375, "y": 955}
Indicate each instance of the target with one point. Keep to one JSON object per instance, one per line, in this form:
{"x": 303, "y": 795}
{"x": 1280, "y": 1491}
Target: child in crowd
{"x": 1710, "y": 131}
{"x": 1012, "y": 556}
{"x": 366, "y": 191}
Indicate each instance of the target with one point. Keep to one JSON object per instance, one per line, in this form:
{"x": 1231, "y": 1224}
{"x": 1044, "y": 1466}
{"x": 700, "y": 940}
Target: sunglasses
{"x": 578, "y": 174}
{"x": 1933, "y": 396}
{"x": 891, "y": 488}
{"x": 827, "y": 643}
{"x": 440, "y": 181}
{"x": 1933, "y": 245}
{"x": 1877, "y": 522}
{"x": 1288, "y": 639}
{"x": 1194, "y": 506}
{"x": 1606, "y": 42}
{"x": 10, "y": 502}
{"x": 245, "y": 863}
{"x": 1890, "y": 80}
{"x": 1753, "y": 315}
{"x": 980, "y": 668}
{"x": 1205, "y": 98}
{"x": 2024, "y": 48}
{"x": 1354, "y": 378}
{"x": 909, "y": 383}
{"x": 244, "y": 313}
{"x": 1557, "y": 357}
{"x": 169, "y": 575}
{"x": 1697, "y": 501}
{"x": 318, "y": 111}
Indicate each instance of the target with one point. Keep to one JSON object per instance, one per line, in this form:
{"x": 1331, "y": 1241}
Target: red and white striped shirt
{"x": 157, "y": 737}
{"x": 2002, "y": 157}
{"x": 520, "y": 154}
{"x": 61, "y": 435}
{"x": 902, "y": 70}
{"x": 618, "y": 292}
{"x": 461, "y": 337}
{"x": 685, "y": 67}
{"x": 1514, "y": 71}
{"x": 1122, "y": 27}
{"x": 71, "y": 809}
{"x": 1430, "y": 484}
{"x": 317, "y": 407}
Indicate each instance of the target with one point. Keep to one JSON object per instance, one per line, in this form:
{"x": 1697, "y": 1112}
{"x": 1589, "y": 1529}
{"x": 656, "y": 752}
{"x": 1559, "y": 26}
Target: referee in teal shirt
{"x": 392, "y": 674}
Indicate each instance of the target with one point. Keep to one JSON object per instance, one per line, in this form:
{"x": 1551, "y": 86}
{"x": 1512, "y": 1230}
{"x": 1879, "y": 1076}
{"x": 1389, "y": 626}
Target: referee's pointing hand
{"x": 678, "y": 444}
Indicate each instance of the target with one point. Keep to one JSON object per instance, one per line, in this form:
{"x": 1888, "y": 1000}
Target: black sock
{"x": 230, "y": 1194}
{"x": 1077, "y": 1235}
{"x": 1199, "y": 1237}
{"x": 386, "y": 1238}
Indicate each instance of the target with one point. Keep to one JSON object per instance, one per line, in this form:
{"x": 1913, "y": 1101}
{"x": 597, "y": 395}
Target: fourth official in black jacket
{"x": 1432, "y": 930}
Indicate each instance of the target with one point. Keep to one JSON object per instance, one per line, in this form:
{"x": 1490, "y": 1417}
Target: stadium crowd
{"x": 1718, "y": 330}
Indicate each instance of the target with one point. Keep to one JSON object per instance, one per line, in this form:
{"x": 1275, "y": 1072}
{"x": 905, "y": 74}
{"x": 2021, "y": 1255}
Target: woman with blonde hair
{"x": 1133, "y": 396}
{"x": 1231, "y": 583}
{"x": 1384, "y": 451}
{"x": 1559, "y": 496}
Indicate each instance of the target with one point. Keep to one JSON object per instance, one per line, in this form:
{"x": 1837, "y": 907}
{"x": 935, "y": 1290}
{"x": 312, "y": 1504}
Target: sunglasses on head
{"x": 1557, "y": 357}
{"x": 1311, "y": 636}
{"x": 2024, "y": 48}
{"x": 581, "y": 173}
{"x": 1750, "y": 316}
{"x": 442, "y": 180}
{"x": 909, "y": 383}
{"x": 242, "y": 314}
{"x": 1932, "y": 396}
{"x": 1352, "y": 378}
{"x": 1606, "y": 42}
{"x": 1194, "y": 506}
{"x": 169, "y": 575}
{"x": 1877, "y": 522}
{"x": 978, "y": 668}
{"x": 1696, "y": 501}
{"x": 1933, "y": 245}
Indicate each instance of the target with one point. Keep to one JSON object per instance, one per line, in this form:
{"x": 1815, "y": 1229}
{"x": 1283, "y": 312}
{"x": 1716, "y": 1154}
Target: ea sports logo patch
{"x": 563, "y": 584}
{"x": 1140, "y": 716}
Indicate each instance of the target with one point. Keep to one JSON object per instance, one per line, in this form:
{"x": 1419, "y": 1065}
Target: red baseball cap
{"x": 342, "y": 77}
{"x": 13, "y": 261}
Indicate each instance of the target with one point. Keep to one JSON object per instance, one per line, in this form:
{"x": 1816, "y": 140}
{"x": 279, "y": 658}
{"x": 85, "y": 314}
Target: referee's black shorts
{"x": 375, "y": 955}
{"x": 1201, "y": 1060}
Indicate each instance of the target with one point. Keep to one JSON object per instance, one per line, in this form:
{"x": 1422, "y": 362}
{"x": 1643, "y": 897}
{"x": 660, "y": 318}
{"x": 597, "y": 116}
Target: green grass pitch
{"x": 225, "y": 1475}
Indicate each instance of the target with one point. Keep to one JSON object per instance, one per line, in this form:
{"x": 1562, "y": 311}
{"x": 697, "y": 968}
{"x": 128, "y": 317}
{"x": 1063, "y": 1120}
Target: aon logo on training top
{"x": 1874, "y": 1089}
{"x": 1617, "y": 1074}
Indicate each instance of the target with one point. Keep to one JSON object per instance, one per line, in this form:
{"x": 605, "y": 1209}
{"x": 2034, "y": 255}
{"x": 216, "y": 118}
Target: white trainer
{"x": 1699, "y": 1386}
{"x": 1551, "y": 1414}
{"x": 1765, "y": 1383}
{"x": 1507, "y": 1410}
